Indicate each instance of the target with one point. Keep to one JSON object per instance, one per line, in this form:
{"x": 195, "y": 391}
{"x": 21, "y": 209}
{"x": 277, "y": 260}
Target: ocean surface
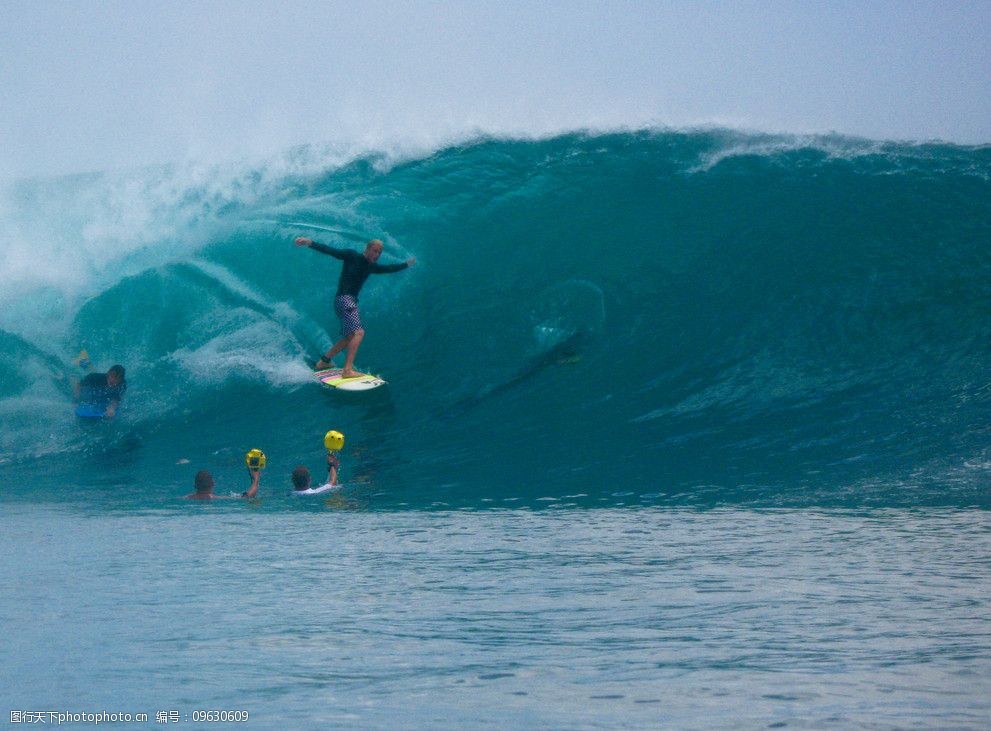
{"x": 682, "y": 430}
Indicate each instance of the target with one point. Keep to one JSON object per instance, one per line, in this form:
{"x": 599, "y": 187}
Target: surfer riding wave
{"x": 357, "y": 268}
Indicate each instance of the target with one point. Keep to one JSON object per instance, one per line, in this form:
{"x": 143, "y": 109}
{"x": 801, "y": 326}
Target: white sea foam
{"x": 81, "y": 233}
{"x": 247, "y": 348}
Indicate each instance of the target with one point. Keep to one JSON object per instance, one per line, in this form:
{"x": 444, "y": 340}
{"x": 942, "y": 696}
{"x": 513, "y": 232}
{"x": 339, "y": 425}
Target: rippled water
{"x": 608, "y": 618}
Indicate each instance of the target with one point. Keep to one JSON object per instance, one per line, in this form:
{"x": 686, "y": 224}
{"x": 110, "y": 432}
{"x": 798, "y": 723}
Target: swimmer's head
{"x": 203, "y": 482}
{"x": 301, "y": 478}
{"x": 115, "y": 375}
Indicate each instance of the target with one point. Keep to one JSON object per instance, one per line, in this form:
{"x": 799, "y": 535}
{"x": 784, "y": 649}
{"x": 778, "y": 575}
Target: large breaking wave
{"x": 703, "y": 317}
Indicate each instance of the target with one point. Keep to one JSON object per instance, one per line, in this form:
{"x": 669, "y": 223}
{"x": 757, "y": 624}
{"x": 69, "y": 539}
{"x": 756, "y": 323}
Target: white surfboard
{"x": 331, "y": 377}
{"x": 320, "y": 490}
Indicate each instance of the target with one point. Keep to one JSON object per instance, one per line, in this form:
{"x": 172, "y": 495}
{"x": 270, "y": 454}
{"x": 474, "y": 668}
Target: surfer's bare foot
{"x": 323, "y": 365}
{"x": 351, "y": 374}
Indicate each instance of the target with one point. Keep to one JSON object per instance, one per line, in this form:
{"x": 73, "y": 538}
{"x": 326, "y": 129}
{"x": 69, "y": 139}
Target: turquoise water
{"x": 563, "y": 617}
{"x": 682, "y": 430}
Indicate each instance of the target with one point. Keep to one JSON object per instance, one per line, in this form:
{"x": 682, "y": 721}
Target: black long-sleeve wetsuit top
{"x": 356, "y": 268}
{"x": 95, "y": 390}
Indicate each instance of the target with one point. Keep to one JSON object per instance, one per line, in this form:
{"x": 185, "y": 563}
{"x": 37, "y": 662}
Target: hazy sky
{"x": 88, "y": 84}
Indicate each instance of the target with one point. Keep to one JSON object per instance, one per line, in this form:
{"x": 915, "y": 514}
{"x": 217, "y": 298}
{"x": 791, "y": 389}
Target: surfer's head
{"x": 115, "y": 375}
{"x": 373, "y": 250}
{"x": 301, "y": 478}
{"x": 203, "y": 482}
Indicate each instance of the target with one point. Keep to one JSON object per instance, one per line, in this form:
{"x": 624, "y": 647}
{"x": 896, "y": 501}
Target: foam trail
{"x": 309, "y": 334}
{"x": 299, "y": 224}
{"x": 390, "y": 243}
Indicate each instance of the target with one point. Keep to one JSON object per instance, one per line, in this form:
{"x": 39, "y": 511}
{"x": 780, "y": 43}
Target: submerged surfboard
{"x": 90, "y": 411}
{"x": 318, "y": 490}
{"x": 331, "y": 377}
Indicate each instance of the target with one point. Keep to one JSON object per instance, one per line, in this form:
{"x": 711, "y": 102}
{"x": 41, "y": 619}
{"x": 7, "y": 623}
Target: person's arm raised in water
{"x": 255, "y": 477}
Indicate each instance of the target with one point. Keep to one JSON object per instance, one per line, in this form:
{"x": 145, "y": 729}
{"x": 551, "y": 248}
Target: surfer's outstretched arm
{"x": 390, "y": 268}
{"x": 322, "y": 248}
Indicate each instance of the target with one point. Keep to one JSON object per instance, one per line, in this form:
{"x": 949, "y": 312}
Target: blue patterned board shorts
{"x": 346, "y": 308}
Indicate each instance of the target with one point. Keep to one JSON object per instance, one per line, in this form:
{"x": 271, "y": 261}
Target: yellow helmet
{"x": 333, "y": 440}
{"x": 255, "y": 459}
